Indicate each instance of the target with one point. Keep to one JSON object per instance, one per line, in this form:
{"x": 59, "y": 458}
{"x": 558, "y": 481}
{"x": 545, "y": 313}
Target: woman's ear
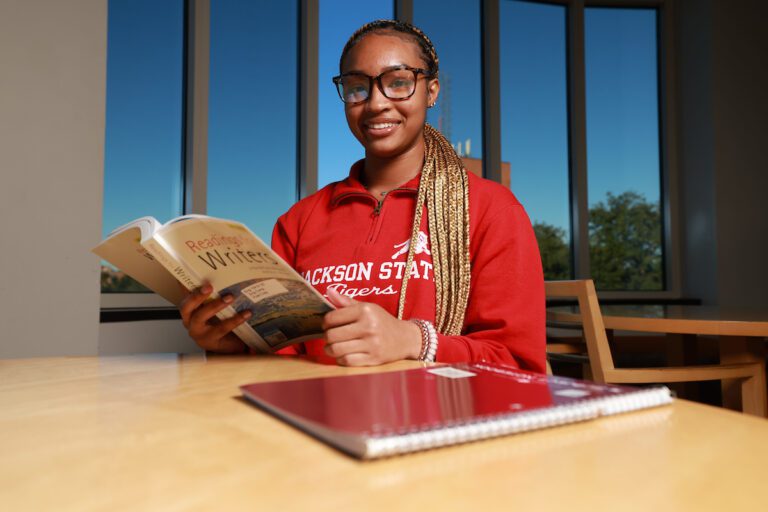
{"x": 433, "y": 91}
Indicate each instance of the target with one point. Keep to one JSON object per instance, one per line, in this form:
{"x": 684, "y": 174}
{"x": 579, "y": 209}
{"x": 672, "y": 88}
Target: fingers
{"x": 350, "y": 353}
{"x": 339, "y": 300}
{"x": 201, "y": 317}
{"x": 357, "y": 312}
{"x": 365, "y": 334}
{"x": 339, "y": 317}
{"x": 345, "y": 348}
{"x": 345, "y": 332}
{"x": 193, "y": 301}
{"x": 198, "y": 314}
{"x": 219, "y": 337}
{"x": 224, "y": 327}
{"x": 353, "y": 332}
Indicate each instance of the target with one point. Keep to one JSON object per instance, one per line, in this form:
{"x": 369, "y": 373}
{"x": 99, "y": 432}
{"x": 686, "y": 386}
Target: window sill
{"x": 109, "y": 315}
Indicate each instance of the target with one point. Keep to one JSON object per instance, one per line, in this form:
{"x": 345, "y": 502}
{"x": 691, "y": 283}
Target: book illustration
{"x": 281, "y": 309}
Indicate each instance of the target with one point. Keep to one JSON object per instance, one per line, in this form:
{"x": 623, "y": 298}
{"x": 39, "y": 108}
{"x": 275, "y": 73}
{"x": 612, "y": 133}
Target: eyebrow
{"x": 388, "y": 68}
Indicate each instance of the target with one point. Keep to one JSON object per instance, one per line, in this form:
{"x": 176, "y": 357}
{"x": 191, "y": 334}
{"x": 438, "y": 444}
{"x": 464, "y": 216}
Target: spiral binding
{"x": 516, "y": 422}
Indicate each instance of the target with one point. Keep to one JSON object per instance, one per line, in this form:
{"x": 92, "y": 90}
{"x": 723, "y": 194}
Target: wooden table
{"x": 168, "y": 432}
{"x": 741, "y": 333}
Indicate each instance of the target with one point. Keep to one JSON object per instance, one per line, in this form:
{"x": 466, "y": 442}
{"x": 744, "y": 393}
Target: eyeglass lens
{"x": 396, "y": 84}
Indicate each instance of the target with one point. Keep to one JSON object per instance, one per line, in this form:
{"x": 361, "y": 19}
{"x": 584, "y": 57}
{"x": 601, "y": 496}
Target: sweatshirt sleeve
{"x": 285, "y": 247}
{"x": 282, "y": 242}
{"x": 505, "y": 317}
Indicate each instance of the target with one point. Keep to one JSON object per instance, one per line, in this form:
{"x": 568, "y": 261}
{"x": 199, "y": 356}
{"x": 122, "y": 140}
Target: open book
{"x": 380, "y": 414}
{"x": 195, "y": 248}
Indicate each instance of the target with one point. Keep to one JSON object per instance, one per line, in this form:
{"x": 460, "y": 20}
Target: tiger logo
{"x": 422, "y": 242}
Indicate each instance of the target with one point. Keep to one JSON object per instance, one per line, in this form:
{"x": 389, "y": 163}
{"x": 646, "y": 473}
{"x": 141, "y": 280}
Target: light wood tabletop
{"x": 169, "y": 432}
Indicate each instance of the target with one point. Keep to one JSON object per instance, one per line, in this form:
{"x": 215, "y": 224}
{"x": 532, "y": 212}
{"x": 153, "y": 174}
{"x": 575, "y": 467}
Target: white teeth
{"x": 381, "y": 126}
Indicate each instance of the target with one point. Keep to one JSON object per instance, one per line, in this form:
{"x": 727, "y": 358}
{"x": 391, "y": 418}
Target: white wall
{"x": 698, "y": 223}
{"x": 52, "y": 96}
{"x": 146, "y": 336}
{"x": 740, "y": 85}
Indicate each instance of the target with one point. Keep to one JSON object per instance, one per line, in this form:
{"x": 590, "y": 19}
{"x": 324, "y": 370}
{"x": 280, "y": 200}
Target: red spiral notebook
{"x": 381, "y": 414}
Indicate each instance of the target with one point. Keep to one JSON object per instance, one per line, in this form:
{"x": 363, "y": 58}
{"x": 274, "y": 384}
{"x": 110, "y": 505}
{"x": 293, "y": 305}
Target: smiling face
{"x": 389, "y": 128}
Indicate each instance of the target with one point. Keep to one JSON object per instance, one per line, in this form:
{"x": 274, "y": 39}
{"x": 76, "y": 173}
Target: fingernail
{"x": 227, "y": 299}
{"x": 206, "y": 289}
{"x": 247, "y": 314}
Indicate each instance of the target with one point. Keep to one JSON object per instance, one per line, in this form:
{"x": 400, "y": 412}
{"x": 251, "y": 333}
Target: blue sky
{"x": 142, "y": 156}
{"x": 338, "y": 148}
{"x": 253, "y": 102}
{"x": 622, "y": 104}
{"x": 534, "y": 107}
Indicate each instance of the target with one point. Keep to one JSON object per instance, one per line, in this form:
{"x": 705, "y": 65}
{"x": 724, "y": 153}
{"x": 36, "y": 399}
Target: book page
{"x": 285, "y": 308}
{"x": 123, "y": 249}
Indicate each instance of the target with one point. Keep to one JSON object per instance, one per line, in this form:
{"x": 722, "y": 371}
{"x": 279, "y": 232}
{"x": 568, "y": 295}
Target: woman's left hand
{"x": 365, "y": 334}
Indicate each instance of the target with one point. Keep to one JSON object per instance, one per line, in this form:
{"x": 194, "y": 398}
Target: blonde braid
{"x": 445, "y": 190}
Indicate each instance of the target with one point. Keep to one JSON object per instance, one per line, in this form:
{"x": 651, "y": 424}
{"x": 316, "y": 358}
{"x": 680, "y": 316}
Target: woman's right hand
{"x": 210, "y": 333}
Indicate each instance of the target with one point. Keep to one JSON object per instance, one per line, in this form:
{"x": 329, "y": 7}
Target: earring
{"x": 430, "y": 105}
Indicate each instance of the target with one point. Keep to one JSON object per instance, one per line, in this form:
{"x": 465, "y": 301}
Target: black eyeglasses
{"x": 396, "y": 84}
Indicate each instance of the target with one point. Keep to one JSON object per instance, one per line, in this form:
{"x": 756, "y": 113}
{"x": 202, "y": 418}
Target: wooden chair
{"x": 600, "y": 359}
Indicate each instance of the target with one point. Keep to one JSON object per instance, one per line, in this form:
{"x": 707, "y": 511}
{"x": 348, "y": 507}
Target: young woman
{"x": 422, "y": 259}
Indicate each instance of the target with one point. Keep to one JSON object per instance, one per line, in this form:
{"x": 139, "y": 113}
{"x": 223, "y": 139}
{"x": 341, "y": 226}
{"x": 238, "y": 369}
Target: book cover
{"x": 194, "y": 249}
{"x": 382, "y": 414}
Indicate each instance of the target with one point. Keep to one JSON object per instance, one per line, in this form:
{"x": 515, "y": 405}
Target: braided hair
{"x": 444, "y": 189}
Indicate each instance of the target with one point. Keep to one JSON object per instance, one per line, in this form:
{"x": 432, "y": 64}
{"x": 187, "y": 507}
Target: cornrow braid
{"x": 444, "y": 189}
{"x": 426, "y": 47}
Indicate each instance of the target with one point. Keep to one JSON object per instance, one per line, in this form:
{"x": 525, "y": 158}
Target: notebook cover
{"x": 380, "y": 414}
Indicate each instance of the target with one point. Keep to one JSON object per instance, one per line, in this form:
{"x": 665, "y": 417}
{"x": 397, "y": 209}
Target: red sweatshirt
{"x": 344, "y": 237}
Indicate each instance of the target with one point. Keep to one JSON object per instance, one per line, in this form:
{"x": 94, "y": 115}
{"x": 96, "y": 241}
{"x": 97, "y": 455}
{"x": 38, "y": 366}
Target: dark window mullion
{"x": 197, "y": 51}
{"x": 667, "y": 145}
{"x": 404, "y": 10}
{"x": 577, "y": 137}
{"x": 309, "y": 30}
{"x": 489, "y": 19}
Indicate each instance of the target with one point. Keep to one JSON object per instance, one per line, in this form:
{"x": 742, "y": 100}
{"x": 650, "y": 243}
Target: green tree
{"x": 555, "y": 253}
{"x": 625, "y": 243}
{"x": 114, "y": 281}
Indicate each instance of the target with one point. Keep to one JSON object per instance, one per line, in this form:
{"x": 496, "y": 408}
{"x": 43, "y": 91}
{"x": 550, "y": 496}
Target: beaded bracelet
{"x": 428, "y": 340}
{"x": 424, "y": 337}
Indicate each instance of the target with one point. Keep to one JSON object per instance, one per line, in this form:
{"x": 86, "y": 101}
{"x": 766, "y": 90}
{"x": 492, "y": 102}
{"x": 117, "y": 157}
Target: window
{"x": 252, "y": 111}
{"x": 623, "y": 149}
{"x": 143, "y": 140}
{"x": 454, "y": 28}
{"x": 534, "y": 123}
{"x": 337, "y": 147}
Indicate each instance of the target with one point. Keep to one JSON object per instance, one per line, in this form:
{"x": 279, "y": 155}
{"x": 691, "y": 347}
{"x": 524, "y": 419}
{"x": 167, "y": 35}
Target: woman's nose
{"x": 376, "y": 99}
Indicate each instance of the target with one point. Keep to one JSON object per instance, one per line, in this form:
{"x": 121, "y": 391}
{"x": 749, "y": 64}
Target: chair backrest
{"x": 598, "y": 350}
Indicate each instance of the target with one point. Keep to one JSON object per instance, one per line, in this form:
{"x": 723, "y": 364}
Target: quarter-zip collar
{"x": 352, "y": 187}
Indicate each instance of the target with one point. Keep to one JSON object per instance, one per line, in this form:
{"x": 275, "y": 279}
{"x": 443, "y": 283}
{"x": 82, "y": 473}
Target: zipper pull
{"x": 377, "y": 209}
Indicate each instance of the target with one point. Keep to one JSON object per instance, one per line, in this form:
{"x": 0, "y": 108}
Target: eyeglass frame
{"x": 371, "y": 79}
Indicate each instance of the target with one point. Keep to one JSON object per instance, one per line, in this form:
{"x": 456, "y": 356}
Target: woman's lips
{"x": 380, "y": 128}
